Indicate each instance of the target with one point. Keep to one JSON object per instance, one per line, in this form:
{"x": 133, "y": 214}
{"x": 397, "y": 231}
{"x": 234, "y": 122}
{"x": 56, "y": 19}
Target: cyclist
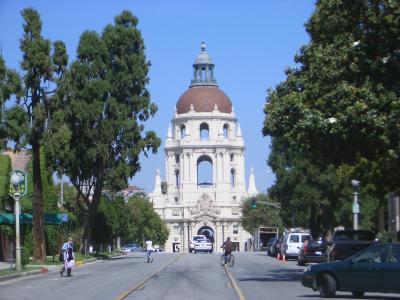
{"x": 227, "y": 245}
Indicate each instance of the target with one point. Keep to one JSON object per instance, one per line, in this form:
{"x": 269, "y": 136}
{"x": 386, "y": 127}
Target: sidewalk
{"x": 41, "y": 269}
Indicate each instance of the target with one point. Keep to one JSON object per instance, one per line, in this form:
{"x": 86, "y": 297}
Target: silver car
{"x": 203, "y": 246}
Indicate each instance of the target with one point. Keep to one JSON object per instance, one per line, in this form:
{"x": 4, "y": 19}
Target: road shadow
{"x": 276, "y": 275}
{"x": 350, "y": 296}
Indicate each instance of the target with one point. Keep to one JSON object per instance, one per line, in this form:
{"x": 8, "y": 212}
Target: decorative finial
{"x": 203, "y": 46}
{"x": 191, "y": 108}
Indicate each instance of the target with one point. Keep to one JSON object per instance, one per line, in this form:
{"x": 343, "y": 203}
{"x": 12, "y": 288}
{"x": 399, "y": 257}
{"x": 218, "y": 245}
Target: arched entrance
{"x": 208, "y": 232}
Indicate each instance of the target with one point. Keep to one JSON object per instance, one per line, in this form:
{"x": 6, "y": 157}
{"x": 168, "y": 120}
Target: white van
{"x": 193, "y": 241}
{"x": 292, "y": 243}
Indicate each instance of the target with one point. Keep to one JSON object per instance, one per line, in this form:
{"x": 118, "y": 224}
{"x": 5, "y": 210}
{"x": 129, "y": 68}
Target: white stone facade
{"x": 190, "y": 207}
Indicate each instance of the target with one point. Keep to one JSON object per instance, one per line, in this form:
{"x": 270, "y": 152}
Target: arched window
{"x": 204, "y": 131}
{"x": 204, "y": 171}
{"x": 233, "y": 177}
{"x": 226, "y": 131}
{"x": 183, "y": 131}
{"x": 177, "y": 177}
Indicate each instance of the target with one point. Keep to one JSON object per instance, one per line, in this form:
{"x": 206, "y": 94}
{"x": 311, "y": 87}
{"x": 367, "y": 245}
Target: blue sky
{"x": 250, "y": 42}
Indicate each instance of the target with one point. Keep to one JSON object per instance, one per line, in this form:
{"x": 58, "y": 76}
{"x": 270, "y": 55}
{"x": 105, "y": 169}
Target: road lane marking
{"x": 234, "y": 284}
{"x": 140, "y": 285}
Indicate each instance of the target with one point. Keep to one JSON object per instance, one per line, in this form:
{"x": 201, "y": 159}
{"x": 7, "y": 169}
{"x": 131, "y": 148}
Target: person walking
{"x": 68, "y": 257}
{"x": 228, "y": 246}
{"x": 149, "y": 250}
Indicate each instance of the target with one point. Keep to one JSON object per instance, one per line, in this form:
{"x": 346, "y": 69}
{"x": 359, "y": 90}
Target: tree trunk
{"x": 91, "y": 216}
{"x": 39, "y": 247}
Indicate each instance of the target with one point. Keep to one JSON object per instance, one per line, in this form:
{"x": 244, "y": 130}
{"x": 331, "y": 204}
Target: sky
{"x": 250, "y": 42}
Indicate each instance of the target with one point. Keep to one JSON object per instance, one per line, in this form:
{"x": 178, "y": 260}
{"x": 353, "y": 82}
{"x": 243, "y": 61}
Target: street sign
{"x": 22, "y": 183}
{"x": 27, "y": 218}
{"x": 356, "y": 208}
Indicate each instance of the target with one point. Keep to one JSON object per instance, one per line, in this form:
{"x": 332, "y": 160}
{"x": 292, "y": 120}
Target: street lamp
{"x": 356, "y": 206}
{"x": 15, "y": 180}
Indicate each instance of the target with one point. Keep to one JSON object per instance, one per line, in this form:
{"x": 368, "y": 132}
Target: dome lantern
{"x": 203, "y": 69}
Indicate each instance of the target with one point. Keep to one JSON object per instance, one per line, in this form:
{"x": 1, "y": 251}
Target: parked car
{"x": 128, "y": 248}
{"x": 312, "y": 251}
{"x": 270, "y": 243}
{"x": 374, "y": 269}
{"x": 193, "y": 241}
{"x": 292, "y": 242}
{"x": 203, "y": 246}
{"x": 345, "y": 243}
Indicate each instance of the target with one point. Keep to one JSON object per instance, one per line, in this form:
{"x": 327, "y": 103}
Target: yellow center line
{"x": 140, "y": 285}
{"x": 236, "y": 287}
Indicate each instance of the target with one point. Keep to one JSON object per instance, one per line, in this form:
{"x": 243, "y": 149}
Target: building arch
{"x": 205, "y": 169}
{"x": 183, "y": 131}
{"x": 226, "y": 130}
{"x": 204, "y": 131}
{"x": 208, "y": 232}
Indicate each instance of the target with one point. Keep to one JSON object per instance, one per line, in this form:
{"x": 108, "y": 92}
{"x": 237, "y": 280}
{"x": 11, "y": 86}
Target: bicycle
{"x": 230, "y": 262}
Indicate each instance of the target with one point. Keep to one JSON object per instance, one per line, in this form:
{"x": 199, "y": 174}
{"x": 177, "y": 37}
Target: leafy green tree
{"x": 10, "y": 84}
{"x": 42, "y": 69}
{"x": 144, "y": 223}
{"x": 339, "y": 109}
{"x": 102, "y": 105}
{"x": 262, "y": 215}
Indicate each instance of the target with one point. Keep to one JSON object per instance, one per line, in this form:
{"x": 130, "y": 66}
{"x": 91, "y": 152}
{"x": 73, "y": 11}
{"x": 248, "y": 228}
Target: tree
{"x": 144, "y": 223}
{"x": 341, "y": 105}
{"x": 42, "y": 71}
{"x": 97, "y": 130}
{"x": 262, "y": 215}
{"x": 337, "y": 112}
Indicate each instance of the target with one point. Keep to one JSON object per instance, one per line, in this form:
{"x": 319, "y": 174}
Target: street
{"x": 172, "y": 276}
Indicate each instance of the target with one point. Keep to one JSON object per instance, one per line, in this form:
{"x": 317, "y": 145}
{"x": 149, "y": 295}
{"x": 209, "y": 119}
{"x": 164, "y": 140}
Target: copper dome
{"x": 204, "y": 99}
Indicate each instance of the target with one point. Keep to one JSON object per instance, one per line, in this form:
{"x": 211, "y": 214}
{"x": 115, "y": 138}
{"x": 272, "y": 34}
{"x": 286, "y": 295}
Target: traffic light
{"x": 253, "y": 203}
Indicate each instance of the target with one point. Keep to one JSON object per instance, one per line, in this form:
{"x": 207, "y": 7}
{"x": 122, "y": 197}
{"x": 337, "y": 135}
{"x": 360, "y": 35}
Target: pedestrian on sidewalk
{"x": 149, "y": 250}
{"x": 68, "y": 258}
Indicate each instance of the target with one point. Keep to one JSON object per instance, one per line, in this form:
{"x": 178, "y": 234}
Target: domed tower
{"x": 204, "y": 153}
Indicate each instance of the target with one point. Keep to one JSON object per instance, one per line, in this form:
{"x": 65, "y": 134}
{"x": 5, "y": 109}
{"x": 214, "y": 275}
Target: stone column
{"x": 185, "y": 237}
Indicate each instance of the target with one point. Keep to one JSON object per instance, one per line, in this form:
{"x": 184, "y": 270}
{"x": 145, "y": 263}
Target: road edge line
{"x": 141, "y": 283}
{"x": 234, "y": 284}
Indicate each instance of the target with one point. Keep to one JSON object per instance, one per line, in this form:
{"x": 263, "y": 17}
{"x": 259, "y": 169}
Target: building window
{"x": 235, "y": 229}
{"x": 232, "y": 156}
{"x": 204, "y": 131}
{"x": 226, "y": 131}
{"x": 176, "y": 230}
{"x": 177, "y": 158}
{"x": 176, "y": 200}
{"x": 233, "y": 177}
{"x": 176, "y": 212}
{"x": 234, "y": 198}
{"x": 204, "y": 172}
{"x": 183, "y": 132}
{"x": 177, "y": 177}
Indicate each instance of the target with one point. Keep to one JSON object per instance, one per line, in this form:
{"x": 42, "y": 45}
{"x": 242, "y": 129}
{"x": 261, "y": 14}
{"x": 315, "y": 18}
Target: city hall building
{"x": 204, "y": 137}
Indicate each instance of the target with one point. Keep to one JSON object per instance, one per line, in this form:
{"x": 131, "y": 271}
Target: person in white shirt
{"x": 149, "y": 250}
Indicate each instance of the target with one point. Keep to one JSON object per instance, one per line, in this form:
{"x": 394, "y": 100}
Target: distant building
{"x": 132, "y": 191}
{"x": 204, "y": 138}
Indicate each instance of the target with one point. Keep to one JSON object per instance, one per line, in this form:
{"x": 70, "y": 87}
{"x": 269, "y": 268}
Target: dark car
{"x": 312, "y": 251}
{"x": 374, "y": 269}
{"x": 271, "y": 241}
{"x": 346, "y": 242}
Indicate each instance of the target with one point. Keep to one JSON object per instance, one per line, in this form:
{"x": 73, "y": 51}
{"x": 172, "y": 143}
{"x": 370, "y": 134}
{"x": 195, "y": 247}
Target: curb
{"x": 42, "y": 270}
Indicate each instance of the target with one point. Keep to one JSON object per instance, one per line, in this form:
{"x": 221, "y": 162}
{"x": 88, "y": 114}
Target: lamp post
{"x": 15, "y": 180}
{"x": 356, "y": 206}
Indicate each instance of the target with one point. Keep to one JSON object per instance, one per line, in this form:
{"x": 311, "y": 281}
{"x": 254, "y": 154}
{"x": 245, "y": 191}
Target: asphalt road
{"x": 173, "y": 276}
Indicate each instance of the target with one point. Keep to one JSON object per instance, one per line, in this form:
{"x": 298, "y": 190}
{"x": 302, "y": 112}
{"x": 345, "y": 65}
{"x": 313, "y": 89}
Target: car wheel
{"x": 358, "y": 294}
{"x": 326, "y": 286}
